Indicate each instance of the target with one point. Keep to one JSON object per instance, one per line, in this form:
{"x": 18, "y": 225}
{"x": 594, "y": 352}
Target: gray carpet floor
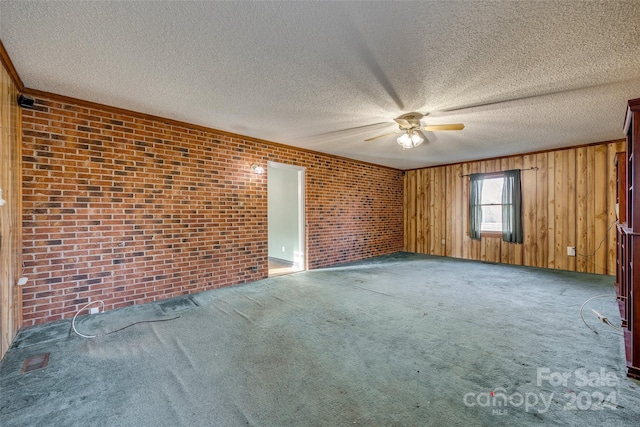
{"x": 401, "y": 340}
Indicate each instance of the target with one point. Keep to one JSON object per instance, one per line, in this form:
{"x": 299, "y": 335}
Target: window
{"x": 491, "y": 203}
{"x": 495, "y": 205}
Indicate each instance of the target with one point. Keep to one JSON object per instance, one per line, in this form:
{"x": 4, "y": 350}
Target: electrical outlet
{"x": 283, "y": 249}
{"x": 444, "y": 242}
{"x": 571, "y": 250}
{"x": 94, "y": 310}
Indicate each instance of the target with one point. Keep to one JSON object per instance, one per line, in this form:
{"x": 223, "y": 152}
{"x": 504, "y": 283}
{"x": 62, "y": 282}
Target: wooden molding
{"x": 632, "y": 106}
{"x": 8, "y": 65}
{"x": 117, "y": 110}
{"x": 11, "y": 215}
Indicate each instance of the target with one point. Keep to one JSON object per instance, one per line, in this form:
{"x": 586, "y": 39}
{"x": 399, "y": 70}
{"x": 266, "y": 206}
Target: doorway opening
{"x": 285, "y": 200}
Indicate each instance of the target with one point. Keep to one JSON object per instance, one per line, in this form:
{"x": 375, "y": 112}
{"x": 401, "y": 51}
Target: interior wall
{"x": 568, "y": 201}
{"x": 10, "y": 213}
{"x": 283, "y": 213}
{"x": 127, "y": 208}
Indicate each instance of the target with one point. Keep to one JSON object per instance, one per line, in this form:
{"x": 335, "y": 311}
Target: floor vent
{"x": 35, "y": 362}
{"x": 177, "y": 304}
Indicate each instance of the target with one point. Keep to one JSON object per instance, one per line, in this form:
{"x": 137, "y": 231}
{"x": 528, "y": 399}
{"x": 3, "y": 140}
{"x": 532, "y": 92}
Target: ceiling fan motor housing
{"x": 409, "y": 121}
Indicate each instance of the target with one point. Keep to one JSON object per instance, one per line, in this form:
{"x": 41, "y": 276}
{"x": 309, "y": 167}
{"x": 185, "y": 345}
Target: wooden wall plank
{"x": 434, "y": 241}
{"x": 444, "y": 189}
{"x": 560, "y": 210}
{"x": 421, "y": 216}
{"x": 600, "y": 194}
{"x": 581, "y": 209}
{"x": 466, "y": 241}
{"x": 448, "y": 213}
{"x": 570, "y": 216}
{"x": 458, "y": 214}
{"x": 504, "y": 246}
{"x": 405, "y": 210}
{"x": 541, "y": 211}
{"x": 551, "y": 210}
{"x": 411, "y": 176}
{"x": 529, "y": 217}
{"x": 414, "y": 217}
{"x": 427, "y": 180}
{"x": 415, "y": 189}
{"x": 441, "y": 199}
{"x": 591, "y": 209}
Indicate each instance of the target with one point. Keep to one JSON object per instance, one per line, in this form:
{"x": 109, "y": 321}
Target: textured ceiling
{"x": 522, "y": 76}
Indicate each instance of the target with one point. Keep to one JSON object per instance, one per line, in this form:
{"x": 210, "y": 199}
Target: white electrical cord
{"x": 73, "y": 322}
{"x": 605, "y": 320}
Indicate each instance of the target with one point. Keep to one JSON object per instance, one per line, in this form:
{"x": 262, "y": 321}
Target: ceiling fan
{"x": 412, "y": 128}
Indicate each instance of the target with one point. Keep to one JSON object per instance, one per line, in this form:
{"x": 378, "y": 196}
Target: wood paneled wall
{"x": 11, "y": 213}
{"x": 569, "y": 199}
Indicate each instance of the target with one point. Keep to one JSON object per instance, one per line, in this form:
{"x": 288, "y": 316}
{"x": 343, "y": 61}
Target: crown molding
{"x": 529, "y": 153}
{"x": 117, "y": 110}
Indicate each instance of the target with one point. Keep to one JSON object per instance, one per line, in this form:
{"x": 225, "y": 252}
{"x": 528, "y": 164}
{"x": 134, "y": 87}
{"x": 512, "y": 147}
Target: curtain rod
{"x": 528, "y": 169}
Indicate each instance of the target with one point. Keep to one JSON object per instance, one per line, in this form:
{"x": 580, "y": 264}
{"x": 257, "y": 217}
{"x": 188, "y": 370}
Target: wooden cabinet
{"x": 628, "y": 240}
{"x": 621, "y": 213}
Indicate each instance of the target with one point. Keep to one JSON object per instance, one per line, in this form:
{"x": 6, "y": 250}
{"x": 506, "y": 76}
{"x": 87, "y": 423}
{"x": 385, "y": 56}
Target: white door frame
{"x": 299, "y": 259}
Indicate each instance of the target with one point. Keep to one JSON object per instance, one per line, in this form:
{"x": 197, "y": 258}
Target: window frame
{"x": 493, "y": 175}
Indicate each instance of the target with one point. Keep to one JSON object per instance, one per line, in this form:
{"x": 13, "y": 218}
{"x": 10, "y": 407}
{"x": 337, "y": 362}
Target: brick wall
{"x": 129, "y": 209}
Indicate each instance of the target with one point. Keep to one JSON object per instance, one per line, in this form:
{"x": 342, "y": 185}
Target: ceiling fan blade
{"x": 404, "y": 123}
{"x": 379, "y": 136}
{"x": 353, "y": 129}
{"x": 453, "y": 126}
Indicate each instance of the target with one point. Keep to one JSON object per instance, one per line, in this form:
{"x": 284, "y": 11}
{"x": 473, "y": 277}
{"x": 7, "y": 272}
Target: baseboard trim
{"x": 284, "y": 262}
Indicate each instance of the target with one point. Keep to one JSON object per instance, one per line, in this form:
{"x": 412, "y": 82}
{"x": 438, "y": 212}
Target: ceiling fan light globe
{"x": 410, "y": 140}
{"x": 416, "y": 139}
{"x": 405, "y": 141}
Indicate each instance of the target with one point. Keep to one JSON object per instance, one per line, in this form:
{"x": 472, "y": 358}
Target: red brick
{"x": 132, "y": 210}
